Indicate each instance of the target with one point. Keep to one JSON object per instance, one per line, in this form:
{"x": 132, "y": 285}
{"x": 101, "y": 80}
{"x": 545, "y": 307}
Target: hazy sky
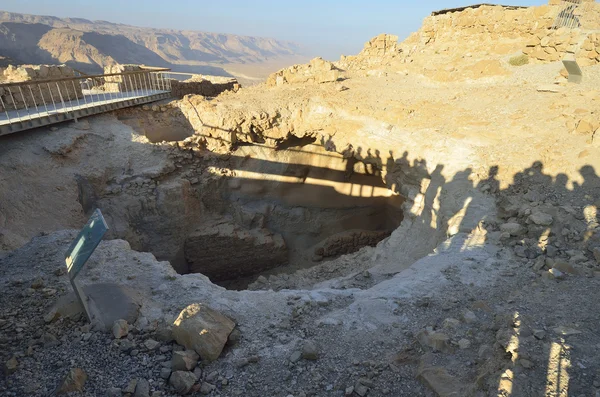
{"x": 325, "y": 27}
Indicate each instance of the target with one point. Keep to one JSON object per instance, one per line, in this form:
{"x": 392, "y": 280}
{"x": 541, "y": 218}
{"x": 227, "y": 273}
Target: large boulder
{"x": 200, "y": 328}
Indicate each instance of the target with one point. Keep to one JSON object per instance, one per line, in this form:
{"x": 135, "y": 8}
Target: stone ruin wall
{"x": 207, "y": 86}
{"x": 14, "y": 98}
{"x": 496, "y": 30}
{"x": 122, "y": 83}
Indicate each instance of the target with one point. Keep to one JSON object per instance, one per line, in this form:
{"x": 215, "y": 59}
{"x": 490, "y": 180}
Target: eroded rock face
{"x": 222, "y": 250}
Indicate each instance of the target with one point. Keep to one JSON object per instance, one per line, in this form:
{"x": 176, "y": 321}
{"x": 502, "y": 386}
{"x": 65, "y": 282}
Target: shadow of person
{"x": 377, "y": 163}
{"x": 490, "y": 184}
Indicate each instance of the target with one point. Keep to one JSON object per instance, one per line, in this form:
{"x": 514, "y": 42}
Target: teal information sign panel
{"x": 86, "y": 242}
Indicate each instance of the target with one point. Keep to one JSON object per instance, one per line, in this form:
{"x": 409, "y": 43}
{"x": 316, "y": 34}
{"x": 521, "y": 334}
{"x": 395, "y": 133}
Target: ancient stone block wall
{"x": 20, "y": 97}
{"x": 491, "y": 29}
{"x": 224, "y": 251}
{"x": 555, "y": 45}
{"x": 123, "y": 83}
{"x": 379, "y": 51}
{"x": 209, "y": 87}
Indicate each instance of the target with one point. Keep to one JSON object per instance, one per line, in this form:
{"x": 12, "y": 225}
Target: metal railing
{"x": 32, "y": 103}
{"x": 571, "y": 14}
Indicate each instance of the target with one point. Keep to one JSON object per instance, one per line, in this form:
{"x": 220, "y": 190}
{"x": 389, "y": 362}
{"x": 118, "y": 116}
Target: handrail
{"x": 26, "y": 82}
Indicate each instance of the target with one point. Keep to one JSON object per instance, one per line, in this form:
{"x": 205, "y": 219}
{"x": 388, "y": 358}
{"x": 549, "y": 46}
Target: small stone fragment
{"x": 525, "y": 363}
{"x": 541, "y": 218}
{"x": 182, "y": 381}
{"x": 310, "y": 350}
{"x": 74, "y": 381}
{"x": 207, "y": 388}
{"x": 151, "y": 344}
{"x": 142, "y": 388}
{"x": 564, "y": 267}
{"x": 165, "y": 373}
{"x": 184, "y": 360}
{"x": 296, "y": 356}
{"x": 566, "y": 331}
{"x": 37, "y": 283}
{"x": 130, "y": 388}
{"x": 120, "y": 329}
{"x": 10, "y": 366}
{"x": 469, "y": 317}
{"x": 514, "y": 229}
{"x": 464, "y": 343}
{"x": 361, "y": 389}
{"x": 440, "y": 381}
{"x": 436, "y": 340}
{"x": 114, "y": 392}
{"x": 451, "y": 323}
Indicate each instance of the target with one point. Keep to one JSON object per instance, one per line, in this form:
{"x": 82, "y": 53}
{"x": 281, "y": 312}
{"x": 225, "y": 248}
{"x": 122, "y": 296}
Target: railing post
{"x": 14, "y": 103}
{"x": 25, "y": 102}
{"x": 75, "y": 92}
{"x": 52, "y": 97}
{"x": 103, "y": 89}
{"x": 88, "y": 88}
{"x": 61, "y": 98}
{"x": 5, "y": 110}
{"x": 33, "y": 99}
{"x": 131, "y": 86}
{"x": 43, "y": 100}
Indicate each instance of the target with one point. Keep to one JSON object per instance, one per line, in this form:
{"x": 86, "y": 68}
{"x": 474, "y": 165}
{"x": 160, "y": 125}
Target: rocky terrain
{"x": 420, "y": 219}
{"x": 92, "y": 45}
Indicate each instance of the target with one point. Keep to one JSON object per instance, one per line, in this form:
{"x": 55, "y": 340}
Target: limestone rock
{"x": 142, "y": 389}
{"x": 310, "y": 350}
{"x": 184, "y": 360}
{"x": 202, "y": 329}
{"x": 37, "y": 283}
{"x": 596, "y": 252}
{"x": 74, "y": 381}
{"x": 120, "y": 329}
{"x": 440, "y": 381}
{"x": 151, "y": 344}
{"x": 223, "y": 251}
{"x": 540, "y": 218}
{"x": 564, "y": 267}
{"x": 464, "y": 343}
{"x": 207, "y": 388}
{"x": 130, "y": 388}
{"x": 182, "y": 381}
{"x": 435, "y": 340}
{"x": 10, "y": 366}
{"x": 514, "y": 229}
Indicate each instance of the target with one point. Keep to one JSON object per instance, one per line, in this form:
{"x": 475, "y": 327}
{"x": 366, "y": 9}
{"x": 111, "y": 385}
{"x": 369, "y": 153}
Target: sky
{"x": 328, "y": 28}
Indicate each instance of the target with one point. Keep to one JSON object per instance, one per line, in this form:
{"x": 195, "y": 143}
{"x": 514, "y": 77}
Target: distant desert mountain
{"x": 90, "y": 45}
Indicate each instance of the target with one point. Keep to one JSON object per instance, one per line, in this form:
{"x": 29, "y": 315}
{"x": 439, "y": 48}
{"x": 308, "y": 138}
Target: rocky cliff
{"x": 94, "y": 44}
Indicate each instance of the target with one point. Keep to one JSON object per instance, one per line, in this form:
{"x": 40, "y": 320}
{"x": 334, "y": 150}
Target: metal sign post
{"x": 575, "y": 73}
{"x": 80, "y": 251}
